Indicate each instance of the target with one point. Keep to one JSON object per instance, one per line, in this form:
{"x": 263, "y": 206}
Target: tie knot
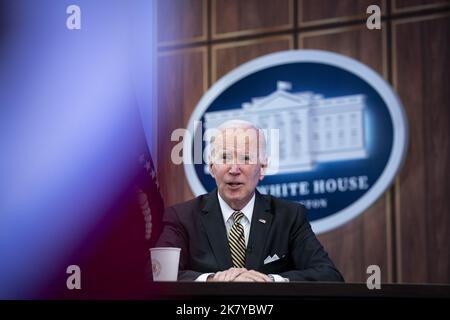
{"x": 237, "y": 216}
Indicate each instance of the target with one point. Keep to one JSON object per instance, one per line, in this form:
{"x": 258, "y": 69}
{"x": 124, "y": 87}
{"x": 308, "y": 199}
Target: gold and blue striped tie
{"x": 236, "y": 241}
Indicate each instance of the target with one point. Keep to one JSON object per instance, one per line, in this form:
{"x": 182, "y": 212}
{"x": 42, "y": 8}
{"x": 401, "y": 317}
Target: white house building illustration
{"x": 312, "y": 128}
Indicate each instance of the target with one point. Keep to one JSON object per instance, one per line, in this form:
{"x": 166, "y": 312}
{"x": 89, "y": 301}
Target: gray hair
{"x": 240, "y": 125}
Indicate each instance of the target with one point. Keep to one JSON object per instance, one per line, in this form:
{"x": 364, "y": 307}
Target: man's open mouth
{"x": 234, "y": 184}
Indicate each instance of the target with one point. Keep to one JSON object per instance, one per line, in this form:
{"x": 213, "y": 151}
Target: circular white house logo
{"x": 342, "y": 131}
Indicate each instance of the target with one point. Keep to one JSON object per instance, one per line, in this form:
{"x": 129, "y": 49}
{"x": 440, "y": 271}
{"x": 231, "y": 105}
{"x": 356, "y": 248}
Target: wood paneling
{"x": 365, "y": 240}
{"x": 237, "y": 17}
{"x": 181, "y": 21}
{"x": 314, "y": 12}
{"x": 414, "y": 5}
{"x": 367, "y": 46}
{"x": 226, "y": 57}
{"x": 420, "y": 60}
{"x": 182, "y": 79}
{"x": 360, "y": 243}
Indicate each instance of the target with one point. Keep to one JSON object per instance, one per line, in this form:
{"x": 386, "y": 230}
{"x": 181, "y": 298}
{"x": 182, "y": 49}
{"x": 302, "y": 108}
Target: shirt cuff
{"x": 278, "y": 278}
{"x": 203, "y": 277}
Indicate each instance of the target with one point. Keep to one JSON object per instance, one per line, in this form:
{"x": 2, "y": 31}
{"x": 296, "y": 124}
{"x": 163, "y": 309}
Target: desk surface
{"x": 295, "y": 290}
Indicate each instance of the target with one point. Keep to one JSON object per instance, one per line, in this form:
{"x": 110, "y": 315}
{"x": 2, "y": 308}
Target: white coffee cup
{"x": 165, "y": 262}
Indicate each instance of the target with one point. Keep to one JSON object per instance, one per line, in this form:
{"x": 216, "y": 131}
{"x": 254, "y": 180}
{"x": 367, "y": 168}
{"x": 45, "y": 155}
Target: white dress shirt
{"x": 227, "y": 213}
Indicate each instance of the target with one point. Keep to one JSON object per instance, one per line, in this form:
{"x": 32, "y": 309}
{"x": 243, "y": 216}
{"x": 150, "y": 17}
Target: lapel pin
{"x": 262, "y": 220}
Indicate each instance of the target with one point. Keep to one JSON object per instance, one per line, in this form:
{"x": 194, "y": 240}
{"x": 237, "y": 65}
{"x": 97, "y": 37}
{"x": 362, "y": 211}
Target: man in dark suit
{"x": 236, "y": 234}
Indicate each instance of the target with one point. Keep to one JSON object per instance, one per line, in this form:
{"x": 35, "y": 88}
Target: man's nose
{"x": 234, "y": 169}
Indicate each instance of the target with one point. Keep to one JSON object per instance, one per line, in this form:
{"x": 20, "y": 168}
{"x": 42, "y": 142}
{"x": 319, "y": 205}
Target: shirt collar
{"x": 227, "y": 211}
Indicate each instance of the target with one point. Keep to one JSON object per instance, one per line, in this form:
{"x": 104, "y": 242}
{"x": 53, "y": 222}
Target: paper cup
{"x": 165, "y": 262}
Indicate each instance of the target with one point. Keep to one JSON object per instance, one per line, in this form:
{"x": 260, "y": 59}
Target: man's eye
{"x": 245, "y": 159}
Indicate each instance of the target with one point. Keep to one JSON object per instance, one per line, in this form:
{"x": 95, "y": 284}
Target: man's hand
{"x": 252, "y": 276}
{"x": 227, "y": 275}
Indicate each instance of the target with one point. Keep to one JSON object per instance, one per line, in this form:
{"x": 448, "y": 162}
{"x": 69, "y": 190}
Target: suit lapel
{"x": 212, "y": 220}
{"x": 261, "y": 222}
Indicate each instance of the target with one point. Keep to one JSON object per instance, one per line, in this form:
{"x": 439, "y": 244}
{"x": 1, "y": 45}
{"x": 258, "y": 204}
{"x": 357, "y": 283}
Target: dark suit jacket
{"x": 197, "y": 227}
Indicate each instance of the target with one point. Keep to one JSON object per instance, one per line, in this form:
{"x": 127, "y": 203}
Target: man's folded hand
{"x": 239, "y": 275}
{"x": 253, "y": 276}
{"x": 226, "y": 275}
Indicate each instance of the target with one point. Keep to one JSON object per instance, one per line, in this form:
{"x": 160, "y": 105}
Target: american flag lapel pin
{"x": 262, "y": 220}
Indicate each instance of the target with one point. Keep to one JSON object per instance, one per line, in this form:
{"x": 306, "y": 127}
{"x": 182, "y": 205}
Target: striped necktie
{"x": 236, "y": 241}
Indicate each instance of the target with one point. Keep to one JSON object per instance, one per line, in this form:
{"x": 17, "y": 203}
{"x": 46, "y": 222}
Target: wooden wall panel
{"x": 182, "y": 79}
{"x": 420, "y": 59}
{"x": 314, "y": 12}
{"x": 365, "y": 240}
{"x": 358, "y": 42}
{"x": 237, "y": 17}
{"x": 415, "y": 5}
{"x": 226, "y": 57}
{"x": 181, "y": 21}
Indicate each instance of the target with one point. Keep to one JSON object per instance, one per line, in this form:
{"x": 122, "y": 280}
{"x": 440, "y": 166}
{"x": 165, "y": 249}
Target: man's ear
{"x": 211, "y": 170}
{"x": 262, "y": 171}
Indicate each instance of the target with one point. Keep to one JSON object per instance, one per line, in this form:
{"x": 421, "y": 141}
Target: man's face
{"x": 236, "y": 166}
